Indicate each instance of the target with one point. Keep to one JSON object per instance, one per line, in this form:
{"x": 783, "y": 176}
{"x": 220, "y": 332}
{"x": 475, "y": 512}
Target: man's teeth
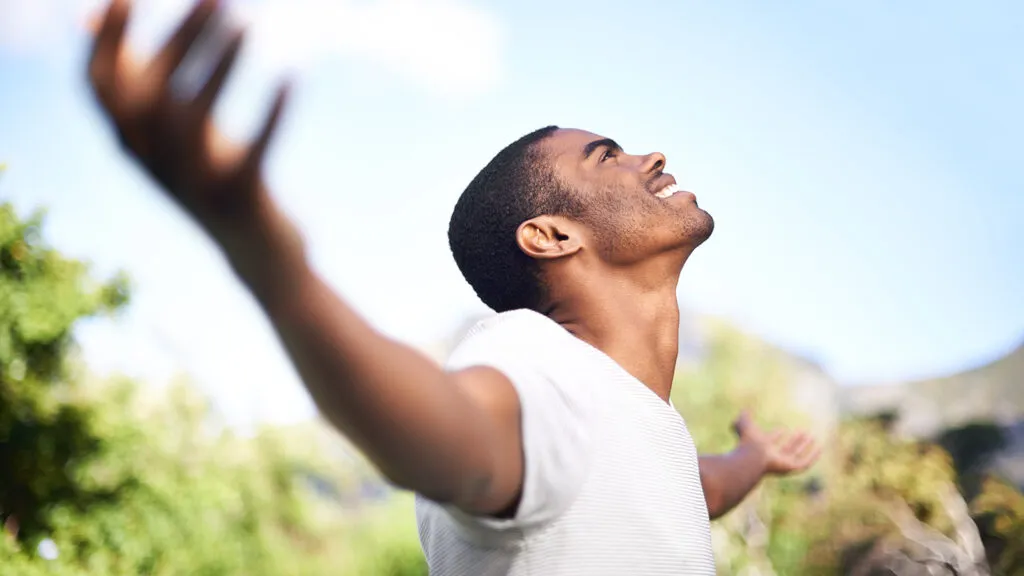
{"x": 667, "y": 191}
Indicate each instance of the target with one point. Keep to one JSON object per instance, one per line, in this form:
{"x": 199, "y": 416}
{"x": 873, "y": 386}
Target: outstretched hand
{"x": 785, "y": 452}
{"x": 173, "y": 136}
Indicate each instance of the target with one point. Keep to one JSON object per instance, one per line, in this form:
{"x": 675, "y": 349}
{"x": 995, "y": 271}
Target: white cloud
{"x": 27, "y": 27}
{"x": 45, "y": 26}
{"x": 448, "y": 47}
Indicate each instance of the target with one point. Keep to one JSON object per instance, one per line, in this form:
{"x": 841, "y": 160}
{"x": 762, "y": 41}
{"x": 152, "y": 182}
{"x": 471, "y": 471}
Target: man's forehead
{"x": 569, "y": 141}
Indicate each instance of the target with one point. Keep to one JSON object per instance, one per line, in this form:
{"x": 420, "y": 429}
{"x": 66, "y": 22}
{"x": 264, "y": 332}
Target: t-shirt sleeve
{"x": 556, "y": 421}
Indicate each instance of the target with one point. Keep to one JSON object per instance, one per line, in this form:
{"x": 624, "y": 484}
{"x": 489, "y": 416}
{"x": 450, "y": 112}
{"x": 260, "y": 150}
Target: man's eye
{"x": 607, "y": 154}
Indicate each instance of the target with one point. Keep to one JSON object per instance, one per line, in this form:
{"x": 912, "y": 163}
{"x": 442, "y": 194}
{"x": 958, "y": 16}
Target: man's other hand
{"x": 785, "y": 452}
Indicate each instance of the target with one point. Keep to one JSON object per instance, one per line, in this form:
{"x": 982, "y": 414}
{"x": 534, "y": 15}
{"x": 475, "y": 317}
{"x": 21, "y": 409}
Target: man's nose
{"x": 653, "y": 162}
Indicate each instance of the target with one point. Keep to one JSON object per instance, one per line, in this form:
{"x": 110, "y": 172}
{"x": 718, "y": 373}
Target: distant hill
{"x": 977, "y": 415}
{"x": 993, "y": 392}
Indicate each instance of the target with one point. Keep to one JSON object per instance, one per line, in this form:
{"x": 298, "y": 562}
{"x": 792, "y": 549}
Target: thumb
{"x": 741, "y": 423}
{"x": 91, "y": 22}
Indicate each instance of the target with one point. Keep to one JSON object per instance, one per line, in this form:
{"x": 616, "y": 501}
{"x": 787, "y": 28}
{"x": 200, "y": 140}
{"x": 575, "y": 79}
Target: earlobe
{"x": 548, "y": 237}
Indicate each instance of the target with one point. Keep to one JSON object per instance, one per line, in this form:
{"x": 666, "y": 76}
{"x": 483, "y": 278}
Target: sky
{"x": 862, "y": 162}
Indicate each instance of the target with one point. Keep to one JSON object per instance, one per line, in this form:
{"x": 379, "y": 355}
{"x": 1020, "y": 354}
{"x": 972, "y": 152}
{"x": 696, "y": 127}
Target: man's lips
{"x": 667, "y": 191}
{"x": 666, "y": 188}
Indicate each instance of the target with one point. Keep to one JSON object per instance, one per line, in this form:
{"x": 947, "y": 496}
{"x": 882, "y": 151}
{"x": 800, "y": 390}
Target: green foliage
{"x": 1000, "y": 508}
{"x": 392, "y": 535}
{"x": 197, "y": 500}
{"x": 46, "y": 435}
{"x": 875, "y": 483}
{"x": 125, "y": 484}
{"x": 740, "y": 372}
{"x": 866, "y": 487}
{"x": 971, "y": 447}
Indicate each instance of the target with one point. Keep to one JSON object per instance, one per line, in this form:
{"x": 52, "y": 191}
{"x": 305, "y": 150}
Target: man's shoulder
{"x": 533, "y": 352}
{"x": 513, "y": 323}
{"x": 523, "y": 335}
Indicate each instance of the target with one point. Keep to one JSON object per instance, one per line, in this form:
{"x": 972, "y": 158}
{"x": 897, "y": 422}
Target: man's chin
{"x": 699, "y": 228}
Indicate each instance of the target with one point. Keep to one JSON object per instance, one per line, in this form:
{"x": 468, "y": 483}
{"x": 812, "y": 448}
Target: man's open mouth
{"x": 667, "y": 191}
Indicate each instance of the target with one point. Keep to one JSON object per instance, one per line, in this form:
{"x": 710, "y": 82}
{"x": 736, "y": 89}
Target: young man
{"x": 548, "y": 445}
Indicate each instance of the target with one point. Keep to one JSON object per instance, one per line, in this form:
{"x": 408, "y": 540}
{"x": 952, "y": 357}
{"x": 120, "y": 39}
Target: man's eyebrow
{"x": 602, "y": 143}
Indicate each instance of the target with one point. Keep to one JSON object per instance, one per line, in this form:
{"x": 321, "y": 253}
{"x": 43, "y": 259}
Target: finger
{"x": 174, "y": 52}
{"x": 742, "y": 423}
{"x": 804, "y": 453}
{"x": 794, "y": 442}
{"x": 207, "y": 95}
{"x": 780, "y": 438}
{"x": 806, "y": 445}
{"x": 106, "y": 48}
{"x": 809, "y": 447}
{"x": 809, "y": 457}
{"x": 259, "y": 146}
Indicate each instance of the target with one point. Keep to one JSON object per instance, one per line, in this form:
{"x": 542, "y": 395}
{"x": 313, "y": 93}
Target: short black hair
{"x": 519, "y": 183}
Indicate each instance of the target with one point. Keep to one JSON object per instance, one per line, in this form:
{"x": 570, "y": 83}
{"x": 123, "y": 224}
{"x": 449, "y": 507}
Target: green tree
{"x": 1000, "y": 511}
{"x": 205, "y": 500}
{"x": 884, "y": 493}
{"x": 129, "y": 480}
{"x": 741, "y": 372}
{"x": 869, "y": 488}
{"x": 46, "y": 434}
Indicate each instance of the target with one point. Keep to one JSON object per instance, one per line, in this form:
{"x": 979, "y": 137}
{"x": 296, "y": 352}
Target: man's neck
{"x": 636, "y": 323}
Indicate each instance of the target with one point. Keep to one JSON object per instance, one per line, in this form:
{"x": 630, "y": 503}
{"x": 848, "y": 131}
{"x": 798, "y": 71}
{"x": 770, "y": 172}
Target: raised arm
{"x": 728, "y": 478}
{"x": 453, "y": 437}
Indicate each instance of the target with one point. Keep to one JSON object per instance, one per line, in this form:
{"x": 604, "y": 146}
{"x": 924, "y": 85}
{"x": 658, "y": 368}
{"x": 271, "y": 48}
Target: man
{"x": 548, "y": 445}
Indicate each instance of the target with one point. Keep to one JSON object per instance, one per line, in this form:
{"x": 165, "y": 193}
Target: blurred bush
{"x": 875, "y": 503}
{"x": 1000, "y": 511}
{"x": 123, "y": 484}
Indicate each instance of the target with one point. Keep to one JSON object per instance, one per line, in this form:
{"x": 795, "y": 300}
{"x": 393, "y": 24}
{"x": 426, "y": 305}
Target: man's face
{"x": 632, "y": 206}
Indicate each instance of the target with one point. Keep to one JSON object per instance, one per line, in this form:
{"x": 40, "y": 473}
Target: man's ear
{"x": 549, "y": 237}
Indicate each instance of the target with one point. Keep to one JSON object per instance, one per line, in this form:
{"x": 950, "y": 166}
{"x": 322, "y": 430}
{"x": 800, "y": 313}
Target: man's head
{"x": 557, "y": 194}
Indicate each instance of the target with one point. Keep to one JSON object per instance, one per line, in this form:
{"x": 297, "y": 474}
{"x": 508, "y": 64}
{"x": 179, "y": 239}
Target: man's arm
{"x": 728, "y": 478}
{"x": 453, "y": 437}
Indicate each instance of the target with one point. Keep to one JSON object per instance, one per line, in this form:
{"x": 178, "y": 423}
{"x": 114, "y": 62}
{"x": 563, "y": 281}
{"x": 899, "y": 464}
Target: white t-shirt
{"x": 611, "y": 485}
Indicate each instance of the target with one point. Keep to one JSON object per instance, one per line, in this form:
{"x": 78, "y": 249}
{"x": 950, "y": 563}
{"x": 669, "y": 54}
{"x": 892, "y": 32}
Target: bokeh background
{"x": 865, "y": 279}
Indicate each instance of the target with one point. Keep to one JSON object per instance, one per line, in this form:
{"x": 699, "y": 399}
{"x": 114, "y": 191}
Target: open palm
{"x": 172, "y": 136}
{"x": 786, "y": 452}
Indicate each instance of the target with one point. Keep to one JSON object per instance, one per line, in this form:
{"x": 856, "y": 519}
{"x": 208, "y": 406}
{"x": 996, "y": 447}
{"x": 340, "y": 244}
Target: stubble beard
{"x": 699, "y": 227}
{"x": 621, "y": 229}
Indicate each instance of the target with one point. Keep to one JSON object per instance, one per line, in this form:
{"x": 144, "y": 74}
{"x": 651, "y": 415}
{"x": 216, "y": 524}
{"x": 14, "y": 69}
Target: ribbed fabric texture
{"x": 612, "y": 484}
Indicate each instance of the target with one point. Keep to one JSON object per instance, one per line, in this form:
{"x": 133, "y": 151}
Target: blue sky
{"x": 862, "y": 162}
